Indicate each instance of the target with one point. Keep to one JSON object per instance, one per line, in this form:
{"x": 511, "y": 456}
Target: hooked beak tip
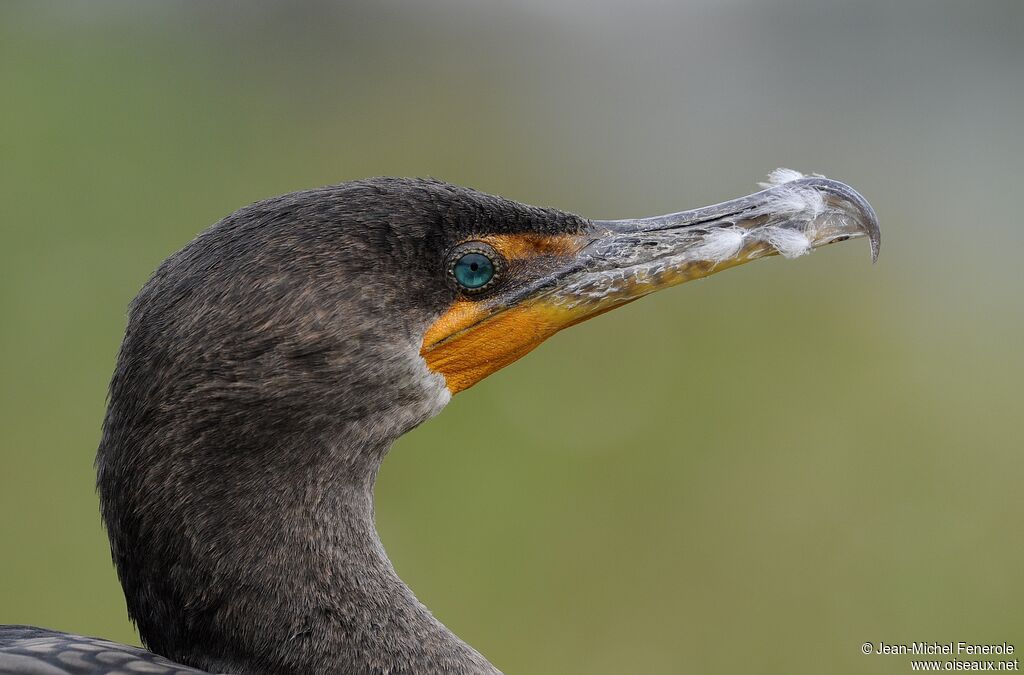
{"x": 846, "y": 200}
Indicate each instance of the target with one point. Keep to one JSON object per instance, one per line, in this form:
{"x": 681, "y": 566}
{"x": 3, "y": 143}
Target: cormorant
{"x": 268, "y": 366}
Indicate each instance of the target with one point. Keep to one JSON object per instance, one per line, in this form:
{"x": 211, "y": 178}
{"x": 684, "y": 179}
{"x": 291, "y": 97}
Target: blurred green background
{"x": 756, "y": 473}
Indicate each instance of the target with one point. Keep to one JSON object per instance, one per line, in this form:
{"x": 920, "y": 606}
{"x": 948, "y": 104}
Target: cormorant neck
{"x": 326, "y": 595}
{"x": 320, "y": 593}
{"x": 272, "y": 564}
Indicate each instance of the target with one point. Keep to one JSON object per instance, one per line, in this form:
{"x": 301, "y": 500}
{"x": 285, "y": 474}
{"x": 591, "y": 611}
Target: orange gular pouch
{"x": 479, "y": 343}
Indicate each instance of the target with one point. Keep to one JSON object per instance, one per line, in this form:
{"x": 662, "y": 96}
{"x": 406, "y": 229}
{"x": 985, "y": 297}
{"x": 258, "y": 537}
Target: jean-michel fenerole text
{"x": 943, "y": 648}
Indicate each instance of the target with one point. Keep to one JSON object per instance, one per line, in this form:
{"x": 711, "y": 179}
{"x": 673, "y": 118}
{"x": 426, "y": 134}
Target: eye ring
{"x": 474, "y": 267}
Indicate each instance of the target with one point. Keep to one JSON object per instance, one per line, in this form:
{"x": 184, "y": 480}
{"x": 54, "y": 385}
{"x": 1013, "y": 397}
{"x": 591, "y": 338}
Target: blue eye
{"x": 473, "y": 270}
{"x": 474, "y": 267}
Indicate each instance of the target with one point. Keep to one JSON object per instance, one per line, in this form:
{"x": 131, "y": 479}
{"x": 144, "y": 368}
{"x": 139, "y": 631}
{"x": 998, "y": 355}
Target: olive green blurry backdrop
{"x": 756, "y": 473}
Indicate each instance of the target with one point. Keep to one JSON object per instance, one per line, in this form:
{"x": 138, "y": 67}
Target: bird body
{"x": 269, "y": 365}
{"x": 28, "y": 650}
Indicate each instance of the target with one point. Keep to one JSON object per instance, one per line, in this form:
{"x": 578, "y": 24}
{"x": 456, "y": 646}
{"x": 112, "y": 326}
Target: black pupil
{"x": 473, "y": 270}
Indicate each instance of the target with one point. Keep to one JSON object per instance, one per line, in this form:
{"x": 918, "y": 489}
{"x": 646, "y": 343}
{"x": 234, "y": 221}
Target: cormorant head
{"x": 268, "y": 365}
{"x": 382, "y": 297}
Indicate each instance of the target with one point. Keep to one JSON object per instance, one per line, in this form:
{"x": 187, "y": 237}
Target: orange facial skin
{"x": 465, "y": 345}
{"x": 475, "y": 338}
{"x": 526, "y": 246}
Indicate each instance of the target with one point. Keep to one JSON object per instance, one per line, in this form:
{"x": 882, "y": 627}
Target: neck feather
{"x": 280, "y": 569}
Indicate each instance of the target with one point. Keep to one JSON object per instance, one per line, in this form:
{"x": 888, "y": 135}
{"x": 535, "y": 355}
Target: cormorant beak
{"x": 567, "y": 279}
